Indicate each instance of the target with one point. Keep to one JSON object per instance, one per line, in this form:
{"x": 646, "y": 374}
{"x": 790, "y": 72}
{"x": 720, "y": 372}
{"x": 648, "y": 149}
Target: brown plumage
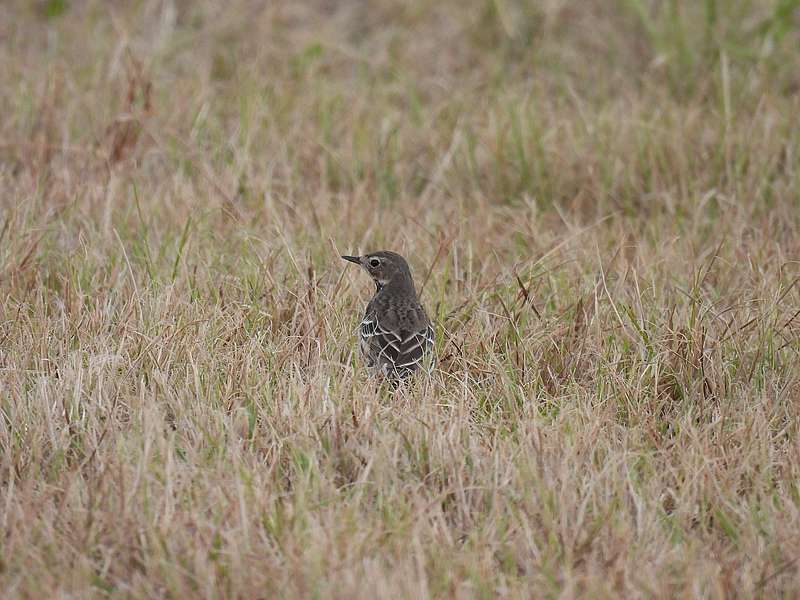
{"x": 396, "y": 334}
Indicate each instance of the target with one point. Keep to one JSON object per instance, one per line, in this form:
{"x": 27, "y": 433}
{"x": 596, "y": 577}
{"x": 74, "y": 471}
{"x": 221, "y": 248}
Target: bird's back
{"x": 396, "y": 334}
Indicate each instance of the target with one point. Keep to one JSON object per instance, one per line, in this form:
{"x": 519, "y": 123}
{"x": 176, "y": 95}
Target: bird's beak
{"x": 353, "y": 259}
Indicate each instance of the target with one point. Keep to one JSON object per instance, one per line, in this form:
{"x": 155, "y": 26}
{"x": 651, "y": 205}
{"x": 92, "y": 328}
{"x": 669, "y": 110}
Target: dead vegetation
{"x": 601, "y": 198}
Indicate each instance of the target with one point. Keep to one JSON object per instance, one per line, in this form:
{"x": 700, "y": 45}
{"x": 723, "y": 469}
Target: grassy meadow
{"x": 599, "y": 199}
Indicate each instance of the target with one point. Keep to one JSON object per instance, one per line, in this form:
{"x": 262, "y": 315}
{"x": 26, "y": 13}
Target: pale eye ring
{"x": 374, "y": 262}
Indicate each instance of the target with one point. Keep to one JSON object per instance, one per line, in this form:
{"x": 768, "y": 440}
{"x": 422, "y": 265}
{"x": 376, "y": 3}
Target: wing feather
{"x": 397, "y": 353}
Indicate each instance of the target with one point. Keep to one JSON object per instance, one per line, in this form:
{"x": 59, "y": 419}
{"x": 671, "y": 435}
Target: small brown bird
{"x": 396, "y": 334}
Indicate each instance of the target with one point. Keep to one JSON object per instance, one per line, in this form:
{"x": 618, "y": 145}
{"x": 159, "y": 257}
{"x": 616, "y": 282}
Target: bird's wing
{"x": 400, "y": 352}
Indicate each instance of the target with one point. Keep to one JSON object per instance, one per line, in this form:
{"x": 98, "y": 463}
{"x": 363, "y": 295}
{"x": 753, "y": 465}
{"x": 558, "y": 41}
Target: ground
{"x": 599, "y": 200}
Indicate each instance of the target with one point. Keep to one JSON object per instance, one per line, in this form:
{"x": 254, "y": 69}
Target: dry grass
{"x": 605, "y": 195}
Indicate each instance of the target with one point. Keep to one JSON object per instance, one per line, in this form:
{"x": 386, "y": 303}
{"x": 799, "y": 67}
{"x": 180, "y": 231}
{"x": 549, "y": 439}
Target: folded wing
{"x": 396, "y": 353}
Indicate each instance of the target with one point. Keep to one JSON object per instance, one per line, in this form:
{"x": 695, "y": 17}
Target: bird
{"x": 396, "y": 335}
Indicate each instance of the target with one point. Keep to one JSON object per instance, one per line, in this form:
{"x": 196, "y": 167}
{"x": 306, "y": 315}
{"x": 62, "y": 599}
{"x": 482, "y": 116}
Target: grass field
{"x": 599, "y": 199}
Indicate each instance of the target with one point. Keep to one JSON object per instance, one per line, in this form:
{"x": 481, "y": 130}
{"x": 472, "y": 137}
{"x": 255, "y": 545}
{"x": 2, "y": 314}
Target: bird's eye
{"x": 374, "y": 262}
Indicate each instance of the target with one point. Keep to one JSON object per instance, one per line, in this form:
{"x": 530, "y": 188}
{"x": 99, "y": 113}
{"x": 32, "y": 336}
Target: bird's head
{"x": 385, "y": 268}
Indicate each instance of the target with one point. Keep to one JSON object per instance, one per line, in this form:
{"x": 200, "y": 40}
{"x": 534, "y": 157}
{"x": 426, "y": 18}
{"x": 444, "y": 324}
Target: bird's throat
{"x": 380, "y": 284}
{"x": 395, "y": 287}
